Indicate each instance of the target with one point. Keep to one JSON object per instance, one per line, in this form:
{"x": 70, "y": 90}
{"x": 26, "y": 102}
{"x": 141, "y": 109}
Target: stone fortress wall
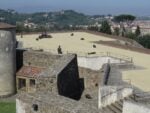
{"x": 7, "y": 59}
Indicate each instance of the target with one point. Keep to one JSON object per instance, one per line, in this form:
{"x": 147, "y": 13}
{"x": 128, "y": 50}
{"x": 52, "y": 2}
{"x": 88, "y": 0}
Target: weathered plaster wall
{"x": 95, "y": 63}
{"x": 111, "y": 94}
{"x": 20, "y": 106}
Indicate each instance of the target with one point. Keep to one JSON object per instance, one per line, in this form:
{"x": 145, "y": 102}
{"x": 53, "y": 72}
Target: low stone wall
{"x": 132, "y": 107}
{"x": 50, "y": 103}
{"x": 124, "y": 66}
{"x": 111, "y": 94}
{"x": 96, "y": 62}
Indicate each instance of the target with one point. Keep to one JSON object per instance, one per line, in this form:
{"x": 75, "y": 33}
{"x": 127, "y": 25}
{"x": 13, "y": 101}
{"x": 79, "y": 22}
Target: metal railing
{"x": 129, "y": 86}
{"x": 107, "y": 95}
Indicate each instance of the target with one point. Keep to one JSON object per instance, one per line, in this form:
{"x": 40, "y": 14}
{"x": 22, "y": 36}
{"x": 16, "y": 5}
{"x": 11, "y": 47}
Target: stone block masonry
{"x": 91, "y": 77}
{"x": 50, "y": 103}
{"x": 59, "y": 73}
{"x": 61, "y": 77}
{"x": 40, "y": 59}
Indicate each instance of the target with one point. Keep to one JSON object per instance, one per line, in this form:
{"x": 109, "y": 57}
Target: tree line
{"x": 144, "y": 40}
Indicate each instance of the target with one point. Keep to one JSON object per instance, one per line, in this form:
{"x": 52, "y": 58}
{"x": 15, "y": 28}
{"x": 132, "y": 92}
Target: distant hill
{"x": 11, "y": 17}
{"x": 67, "y": 17}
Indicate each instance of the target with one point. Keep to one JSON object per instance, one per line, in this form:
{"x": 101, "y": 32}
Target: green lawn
{"x": 7, "y": 107}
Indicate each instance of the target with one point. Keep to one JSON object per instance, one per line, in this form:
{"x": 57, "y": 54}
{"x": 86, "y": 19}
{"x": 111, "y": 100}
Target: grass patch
{"x": 7, "y": 107}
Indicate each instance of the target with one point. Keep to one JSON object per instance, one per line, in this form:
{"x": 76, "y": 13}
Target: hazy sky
{"x": 137, "y": 7}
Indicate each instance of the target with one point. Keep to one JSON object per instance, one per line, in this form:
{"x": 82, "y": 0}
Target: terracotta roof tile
{"x": 5, "y": 26}
{"x": 29, "y": 71}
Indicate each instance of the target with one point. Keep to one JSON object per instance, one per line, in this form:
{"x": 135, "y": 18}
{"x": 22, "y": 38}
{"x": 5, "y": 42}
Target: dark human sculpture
{"x": 59, "y": 50}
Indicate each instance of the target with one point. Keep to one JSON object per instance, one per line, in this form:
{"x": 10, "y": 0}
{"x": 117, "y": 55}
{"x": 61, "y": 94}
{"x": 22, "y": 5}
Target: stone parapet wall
{"x": 124, "y": 66}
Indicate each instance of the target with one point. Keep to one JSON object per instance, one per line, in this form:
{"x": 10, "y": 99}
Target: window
{"x": 35, "y": 107}
{"x": 21, "y": 83}
{"x": 32, "y": 82}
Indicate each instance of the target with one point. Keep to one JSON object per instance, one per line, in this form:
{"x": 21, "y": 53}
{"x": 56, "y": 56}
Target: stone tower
{"x": 7, "y": 59}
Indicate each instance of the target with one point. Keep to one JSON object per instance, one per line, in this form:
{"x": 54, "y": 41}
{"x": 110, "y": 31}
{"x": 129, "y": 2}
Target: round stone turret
{"x": 7, "y": 59}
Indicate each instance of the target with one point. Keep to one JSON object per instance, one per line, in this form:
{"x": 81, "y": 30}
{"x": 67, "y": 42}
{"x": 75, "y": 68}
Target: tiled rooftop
{"x": 5, "y": 26}
{"x": 29, "y": 71}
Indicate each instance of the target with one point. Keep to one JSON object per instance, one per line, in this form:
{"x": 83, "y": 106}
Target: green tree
{"x": 124, "y": 17}
{"x": 117, "y": 31}
{"x": 19, "y": 28}
{"x": 145, "y": 41}
{"x": 130, "y": 35}
{"x": 27, "y": 29}
{"x": 138, "y": 31}
{"x": 123, "y": 32}
{"x": 105, "y": 28}
{"x": 93, "y": 28}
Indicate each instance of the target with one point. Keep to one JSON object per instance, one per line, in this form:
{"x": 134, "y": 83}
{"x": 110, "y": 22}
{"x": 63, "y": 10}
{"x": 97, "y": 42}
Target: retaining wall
{"x": 96, "y": 63}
